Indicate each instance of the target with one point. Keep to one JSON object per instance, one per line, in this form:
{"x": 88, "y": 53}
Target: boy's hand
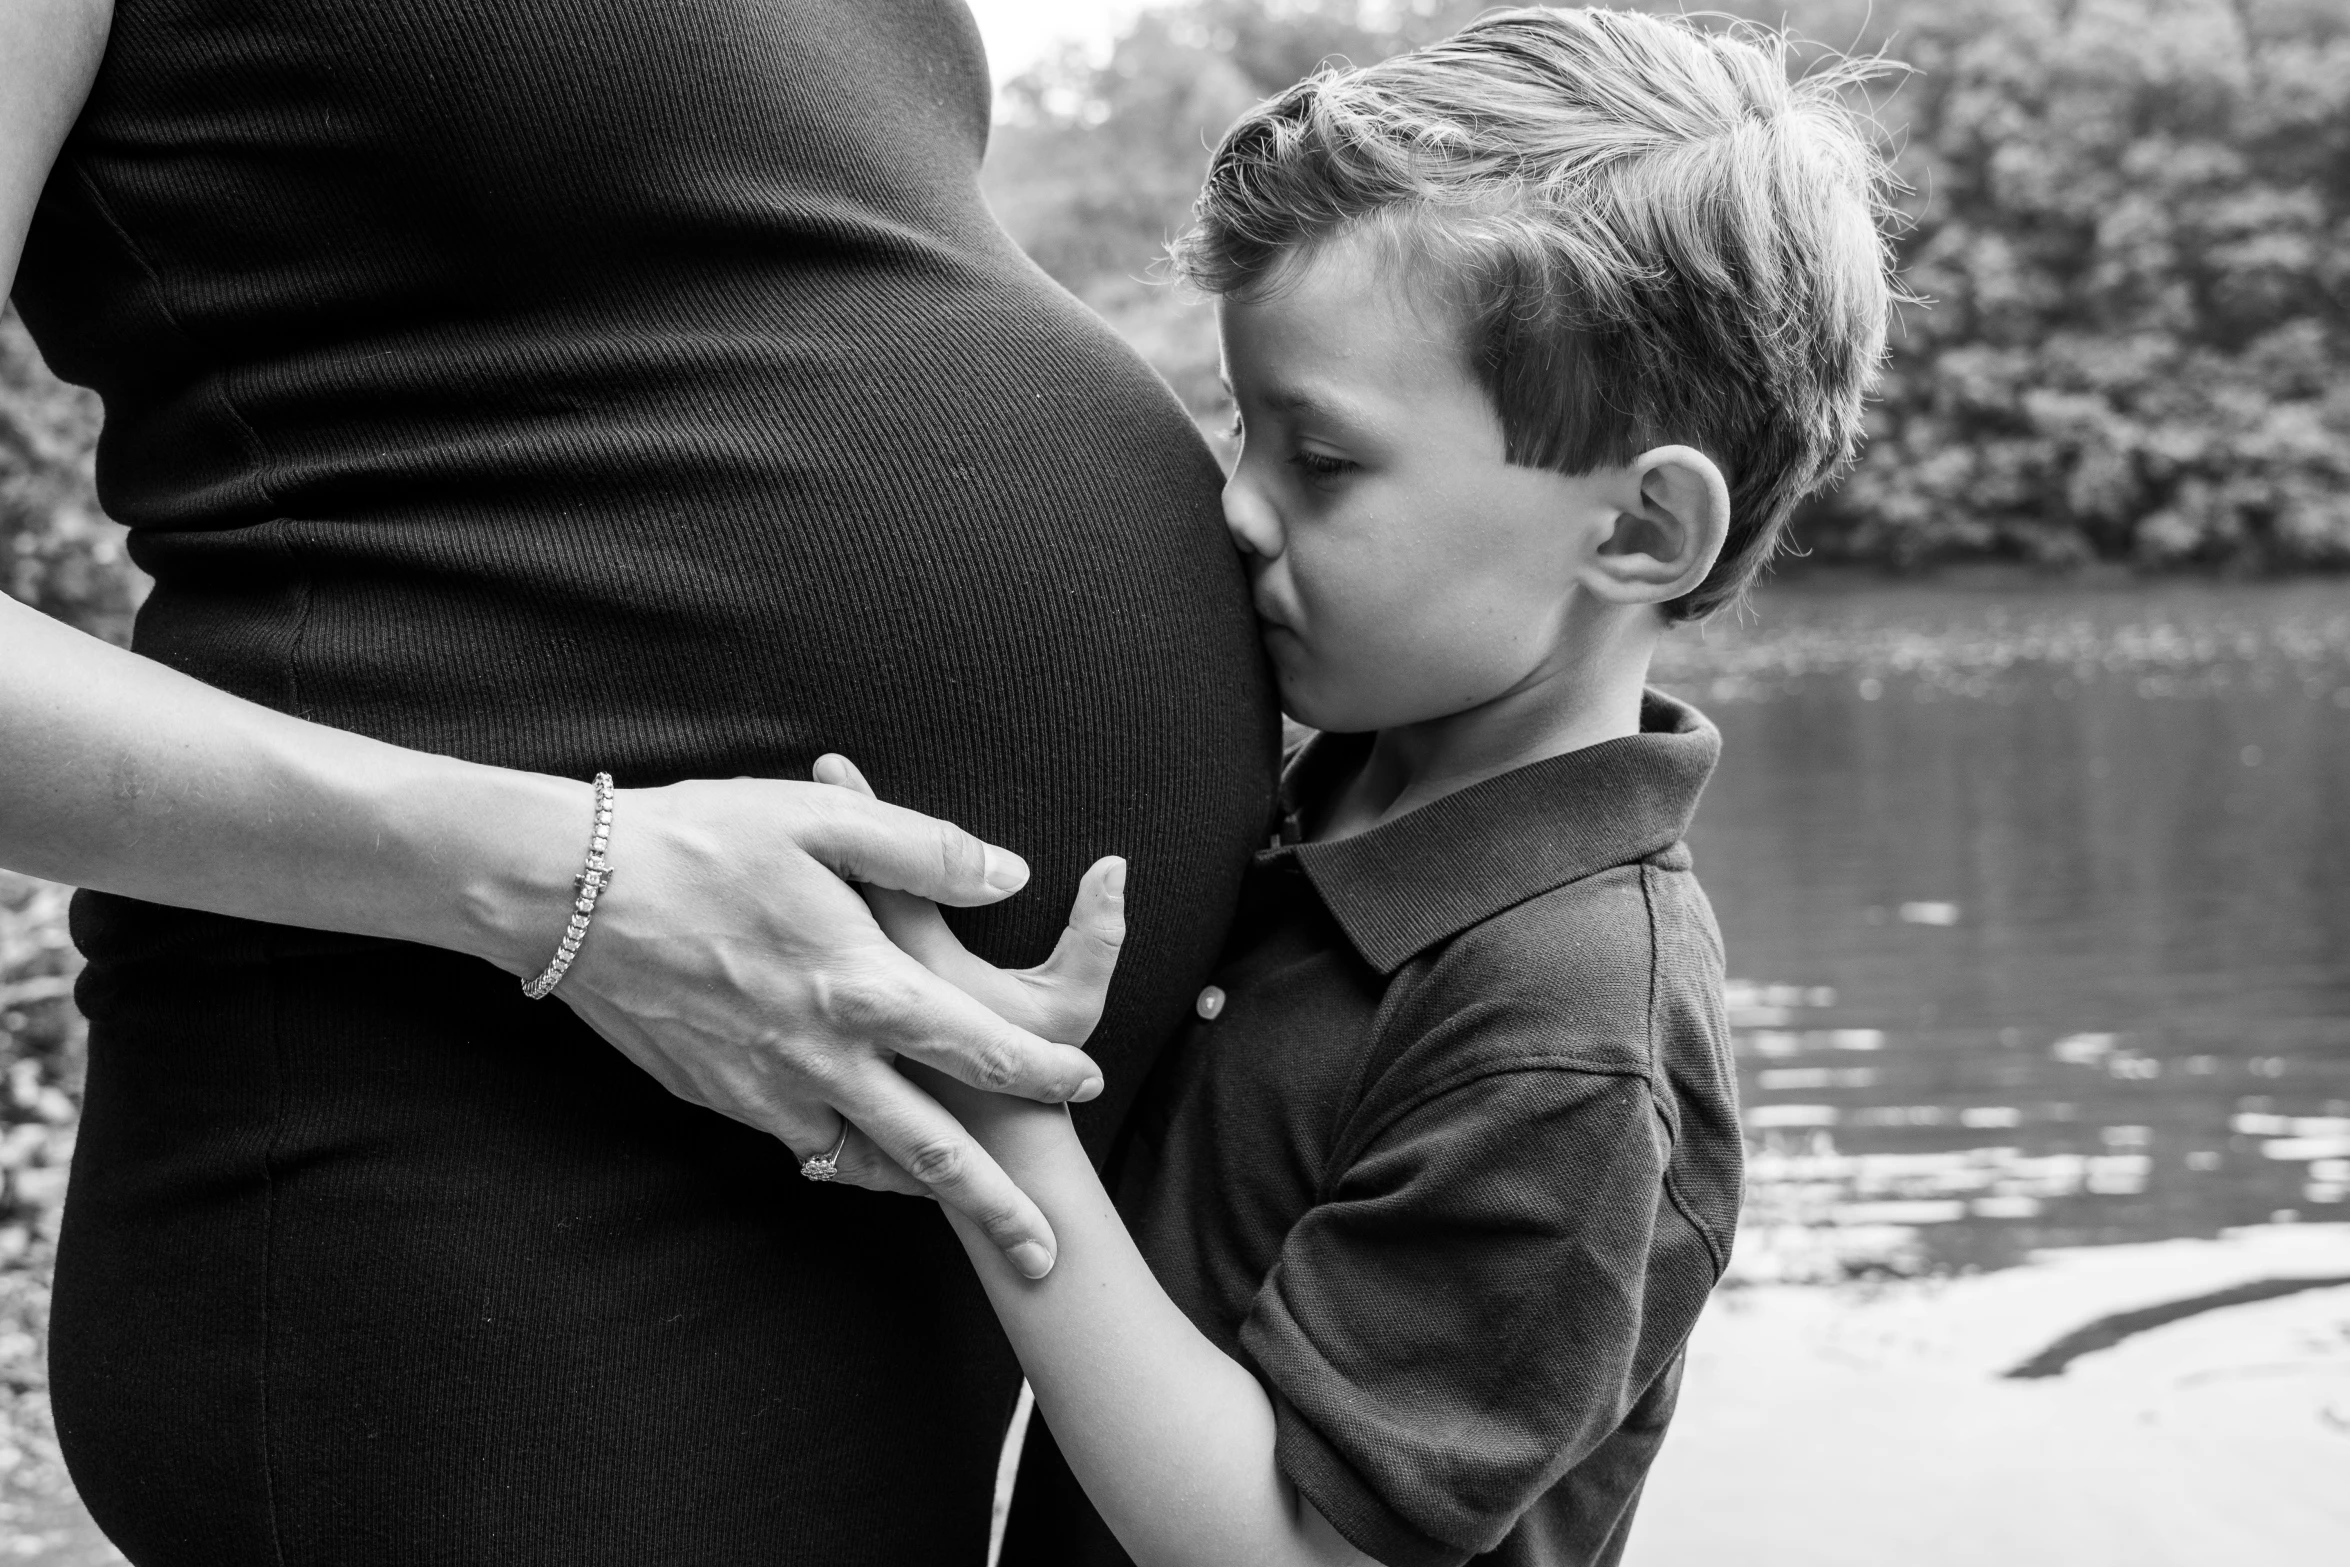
{"x": 1061, "y": 998}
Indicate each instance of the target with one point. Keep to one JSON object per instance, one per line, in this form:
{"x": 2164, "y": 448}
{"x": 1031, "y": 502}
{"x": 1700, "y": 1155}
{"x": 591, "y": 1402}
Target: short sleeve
{"x": 1459, "y": 1322}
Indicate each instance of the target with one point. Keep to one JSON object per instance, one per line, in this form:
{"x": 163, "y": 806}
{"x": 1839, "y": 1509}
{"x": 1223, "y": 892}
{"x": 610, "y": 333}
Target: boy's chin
{"x": 1339, "y": 701}
{"x": 1307, "y": 703}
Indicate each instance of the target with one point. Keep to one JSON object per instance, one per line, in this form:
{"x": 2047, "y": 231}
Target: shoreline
{"x": 1869, "y": 1424}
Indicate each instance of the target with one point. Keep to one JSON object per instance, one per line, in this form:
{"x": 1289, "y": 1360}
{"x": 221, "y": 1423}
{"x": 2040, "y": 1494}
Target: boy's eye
{"x": 1319, "y": 465}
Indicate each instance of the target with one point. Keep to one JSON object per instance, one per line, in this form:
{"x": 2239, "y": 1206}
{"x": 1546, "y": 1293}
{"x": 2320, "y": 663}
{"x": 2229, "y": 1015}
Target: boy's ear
{"x": 1670, "y": 533}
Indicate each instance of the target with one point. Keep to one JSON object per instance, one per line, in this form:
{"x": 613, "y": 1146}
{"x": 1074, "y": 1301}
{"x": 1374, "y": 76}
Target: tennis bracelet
{"x": 589, "y": 883}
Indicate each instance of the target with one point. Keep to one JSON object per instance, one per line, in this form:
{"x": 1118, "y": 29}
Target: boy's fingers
{"x": 1087, "y": 953}
{"x": 1100, "y": 909}
{"x": 1070, "y": 988}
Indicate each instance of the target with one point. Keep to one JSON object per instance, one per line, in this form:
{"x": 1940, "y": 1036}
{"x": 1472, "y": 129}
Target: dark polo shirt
{"x": 1451, "y": 1157}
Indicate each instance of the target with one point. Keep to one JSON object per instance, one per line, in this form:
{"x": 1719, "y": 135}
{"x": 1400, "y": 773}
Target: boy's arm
{"x": 1468, "y": 1313}
{"x": 1171, "y": 1438}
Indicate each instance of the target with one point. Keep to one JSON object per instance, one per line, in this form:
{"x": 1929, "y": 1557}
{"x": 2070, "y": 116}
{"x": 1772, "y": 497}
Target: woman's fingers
{"x": 862, "y": 839}
{"x": 1062, "y": 998}
{"x": 915, "y": 1131}
{"x": 914, "y": 925}
{"x": 857, "y": 1162}
{"x": 837, "y": 770}
{"x": 940, "y": 1026}
{"x": 862, "y": 1164}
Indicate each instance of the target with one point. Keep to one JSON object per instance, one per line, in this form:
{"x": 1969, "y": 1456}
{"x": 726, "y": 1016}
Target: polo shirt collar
{"x": 1433, "y": 872}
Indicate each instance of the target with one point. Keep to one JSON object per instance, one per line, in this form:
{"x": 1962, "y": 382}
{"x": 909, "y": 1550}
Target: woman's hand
{"x": 728, "y": 958}
{"x": 732, "y": 961}
{"x": 1061, "y": 998}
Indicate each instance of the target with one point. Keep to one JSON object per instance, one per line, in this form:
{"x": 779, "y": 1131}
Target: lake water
{"x": 2037, "y": 902}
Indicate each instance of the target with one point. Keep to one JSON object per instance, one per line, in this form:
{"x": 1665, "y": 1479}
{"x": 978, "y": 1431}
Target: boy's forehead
{"x": 1338, "y": 314}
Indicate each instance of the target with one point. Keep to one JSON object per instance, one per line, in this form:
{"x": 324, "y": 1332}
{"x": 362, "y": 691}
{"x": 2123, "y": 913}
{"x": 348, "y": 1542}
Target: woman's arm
{"x": 1171, "y": 1438}
{"x": 49, "y": 53}
{"x": 729, "y": 959}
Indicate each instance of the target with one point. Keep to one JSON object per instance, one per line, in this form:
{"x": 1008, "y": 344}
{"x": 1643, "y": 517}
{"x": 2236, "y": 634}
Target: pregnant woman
{"x": 503, "y": 394}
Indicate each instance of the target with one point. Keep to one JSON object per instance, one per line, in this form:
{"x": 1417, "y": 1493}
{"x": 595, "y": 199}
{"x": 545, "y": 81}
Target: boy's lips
{"x": 1282, "y": 645}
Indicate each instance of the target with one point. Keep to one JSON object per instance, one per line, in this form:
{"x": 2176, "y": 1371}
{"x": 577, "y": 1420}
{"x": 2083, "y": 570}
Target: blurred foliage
{"x": 1096, "y": 162}
{"x": 41, "y": 1038}
{"x": 58, "y": 551}
{"x": 2134, "y": 220}
{"x": 2131, "y": 219}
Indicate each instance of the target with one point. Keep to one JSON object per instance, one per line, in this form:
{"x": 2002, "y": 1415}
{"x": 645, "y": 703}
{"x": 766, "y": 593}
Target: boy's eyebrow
{"x": 1318, "y": 405}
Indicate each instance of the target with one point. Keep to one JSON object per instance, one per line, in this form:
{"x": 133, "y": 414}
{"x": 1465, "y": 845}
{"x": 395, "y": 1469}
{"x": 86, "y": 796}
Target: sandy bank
{"x": 1870, "y": 1426}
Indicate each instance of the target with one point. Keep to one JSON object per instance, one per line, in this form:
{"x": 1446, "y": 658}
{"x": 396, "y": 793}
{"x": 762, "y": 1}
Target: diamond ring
{"x": 826, "y": 1166}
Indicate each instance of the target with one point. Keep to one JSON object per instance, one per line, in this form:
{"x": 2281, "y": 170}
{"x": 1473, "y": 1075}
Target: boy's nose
{"x": 1252, "y": 523}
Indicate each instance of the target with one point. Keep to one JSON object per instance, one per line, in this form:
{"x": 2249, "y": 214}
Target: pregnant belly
{"x": 992, "y": 570}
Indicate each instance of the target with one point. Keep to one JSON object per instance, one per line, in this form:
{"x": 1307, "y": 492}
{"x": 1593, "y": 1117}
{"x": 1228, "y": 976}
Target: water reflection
{"x": 2039, "y": 895}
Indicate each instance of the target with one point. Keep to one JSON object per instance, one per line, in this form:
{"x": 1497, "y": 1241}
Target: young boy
{"x": 1536, "y": 335}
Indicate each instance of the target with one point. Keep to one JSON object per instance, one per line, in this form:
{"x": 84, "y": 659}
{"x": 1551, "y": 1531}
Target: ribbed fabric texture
{"x": 576, "y": 384}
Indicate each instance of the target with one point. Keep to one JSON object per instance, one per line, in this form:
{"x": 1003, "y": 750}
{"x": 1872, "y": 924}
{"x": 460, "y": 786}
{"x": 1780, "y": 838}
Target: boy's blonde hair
{"x": 1650, "y": 233}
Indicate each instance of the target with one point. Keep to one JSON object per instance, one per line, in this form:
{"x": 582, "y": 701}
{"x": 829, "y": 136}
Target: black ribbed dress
{"x": 579, "y": 384}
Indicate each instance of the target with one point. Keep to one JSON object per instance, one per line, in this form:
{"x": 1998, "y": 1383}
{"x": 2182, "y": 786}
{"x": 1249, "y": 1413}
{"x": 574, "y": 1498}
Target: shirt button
{"x": 1210, "y": 1003}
